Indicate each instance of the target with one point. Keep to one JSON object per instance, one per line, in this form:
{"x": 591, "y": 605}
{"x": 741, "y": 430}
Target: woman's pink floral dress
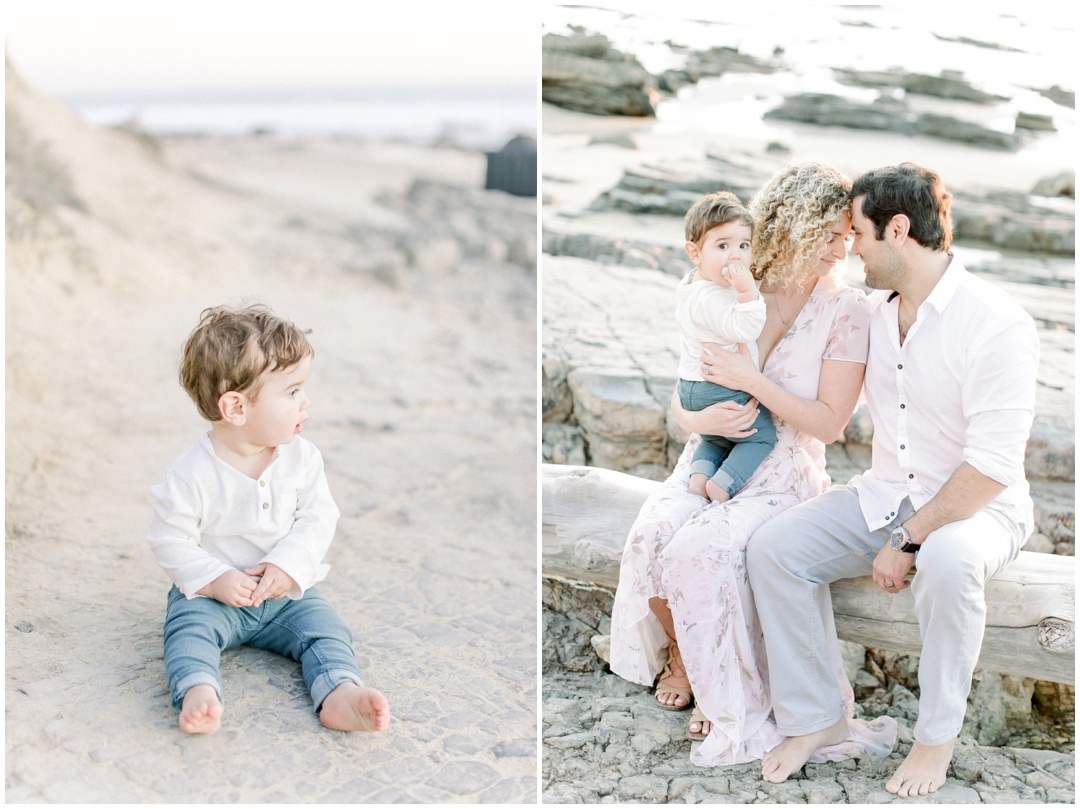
{"x": 693, "y": 553}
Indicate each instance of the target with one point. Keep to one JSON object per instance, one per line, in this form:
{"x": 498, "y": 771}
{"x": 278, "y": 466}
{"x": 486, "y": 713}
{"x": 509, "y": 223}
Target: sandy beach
{"x": 420, "y": 290}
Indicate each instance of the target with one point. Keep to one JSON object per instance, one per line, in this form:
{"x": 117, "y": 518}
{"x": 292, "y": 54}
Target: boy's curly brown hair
{"x": 230, "y": 350}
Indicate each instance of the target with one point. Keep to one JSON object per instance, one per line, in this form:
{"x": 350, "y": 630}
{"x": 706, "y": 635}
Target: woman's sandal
{"x": 662, "y": 688}
{"x": 697, "y": 716}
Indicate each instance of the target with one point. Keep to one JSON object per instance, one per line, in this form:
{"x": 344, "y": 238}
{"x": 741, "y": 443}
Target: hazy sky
{"x": 101, "y": 48}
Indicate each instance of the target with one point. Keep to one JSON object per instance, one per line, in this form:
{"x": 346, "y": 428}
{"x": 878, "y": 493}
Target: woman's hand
{"x": 735, "y": 370}
{"x": 728, "y": 419}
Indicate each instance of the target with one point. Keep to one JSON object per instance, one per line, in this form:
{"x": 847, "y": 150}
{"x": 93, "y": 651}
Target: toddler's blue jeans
{"x": 728, "y": 461}
{"x": 308, "y": 630}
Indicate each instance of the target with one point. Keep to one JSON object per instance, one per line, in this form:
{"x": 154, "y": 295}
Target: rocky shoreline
{"x": 604, "y": 741}
{"x": 583, "y": 71}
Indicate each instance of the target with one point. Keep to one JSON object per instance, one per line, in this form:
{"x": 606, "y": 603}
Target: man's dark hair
{"x": 914, "y": 191}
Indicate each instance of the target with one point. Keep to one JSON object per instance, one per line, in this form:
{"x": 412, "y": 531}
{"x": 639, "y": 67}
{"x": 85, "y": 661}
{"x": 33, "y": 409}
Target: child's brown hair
{"x": 712, "y": 211}
{"x": 231, "y": 348}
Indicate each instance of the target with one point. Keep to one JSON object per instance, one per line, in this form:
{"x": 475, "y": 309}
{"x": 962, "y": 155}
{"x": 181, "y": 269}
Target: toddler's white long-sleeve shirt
{"x": 708, "y": 312}
{"x": 210, "y": 516}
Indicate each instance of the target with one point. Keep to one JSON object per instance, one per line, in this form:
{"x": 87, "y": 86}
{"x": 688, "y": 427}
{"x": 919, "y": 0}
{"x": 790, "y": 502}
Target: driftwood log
{"x": 587, "y": 513}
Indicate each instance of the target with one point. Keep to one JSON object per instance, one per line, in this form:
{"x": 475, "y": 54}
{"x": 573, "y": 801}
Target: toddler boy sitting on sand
{"x": 242, "y": 521}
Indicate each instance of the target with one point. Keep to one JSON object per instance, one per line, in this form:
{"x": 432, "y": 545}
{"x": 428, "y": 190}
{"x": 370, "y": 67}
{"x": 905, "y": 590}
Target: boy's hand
{"x": 231, "y": 588}
{"x": 741, "y": 278}
{"x": 275, "y": 583}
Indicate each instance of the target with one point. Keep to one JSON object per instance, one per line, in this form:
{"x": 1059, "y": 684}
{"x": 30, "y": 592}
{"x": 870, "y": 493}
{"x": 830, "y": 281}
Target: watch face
{"x": 897, "y": 538}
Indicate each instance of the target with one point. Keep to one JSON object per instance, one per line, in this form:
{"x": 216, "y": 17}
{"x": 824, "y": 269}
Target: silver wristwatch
{"x": 900, "y": 540}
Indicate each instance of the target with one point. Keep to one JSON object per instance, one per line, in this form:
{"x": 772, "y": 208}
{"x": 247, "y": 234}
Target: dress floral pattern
{"x": 693, "y": 553}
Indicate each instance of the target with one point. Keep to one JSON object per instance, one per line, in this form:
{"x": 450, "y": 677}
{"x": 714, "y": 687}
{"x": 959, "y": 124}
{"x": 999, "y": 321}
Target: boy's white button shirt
{"x": 209, "y": 517}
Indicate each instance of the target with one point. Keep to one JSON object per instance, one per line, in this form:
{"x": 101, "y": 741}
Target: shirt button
{"x": 262, "y": 482}
{"x": 902, "y": 447}
{"x": 902, "y": 405}
{"x": 909, "y": 478}
{"x": 901, "y": 367}
{"x": 266, "y": 505}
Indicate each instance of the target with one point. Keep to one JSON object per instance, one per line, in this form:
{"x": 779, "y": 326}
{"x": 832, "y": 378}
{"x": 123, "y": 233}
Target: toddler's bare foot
{"x": 350, "y": 707}
{"x": 792, "y": 753}
{"x": 923, "y": 770}
{"x": 200, "y": 711}
{"x": 715, "y": 493}
{"x": 697, "y": 484}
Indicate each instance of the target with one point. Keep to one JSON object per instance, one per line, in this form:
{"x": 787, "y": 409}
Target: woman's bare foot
{"x": 200, "y": 712}
{"x": 673, "y": 677}
{"x": 699, "y": 725}
{"x": 792, "y": 753}
{"x": 350, "y": 707}
{"x": 923, "y": 770}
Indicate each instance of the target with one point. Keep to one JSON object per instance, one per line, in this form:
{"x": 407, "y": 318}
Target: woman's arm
{"x": 824, "y": 417}
{"x": 728, "y": 419}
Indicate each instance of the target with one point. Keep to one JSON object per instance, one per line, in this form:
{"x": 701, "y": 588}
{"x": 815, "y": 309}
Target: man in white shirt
{"x": 950, "y": 385}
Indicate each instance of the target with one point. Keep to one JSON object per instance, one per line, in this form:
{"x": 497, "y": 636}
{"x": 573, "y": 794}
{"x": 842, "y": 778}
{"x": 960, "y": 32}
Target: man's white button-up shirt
{"x": 960, "y": 388}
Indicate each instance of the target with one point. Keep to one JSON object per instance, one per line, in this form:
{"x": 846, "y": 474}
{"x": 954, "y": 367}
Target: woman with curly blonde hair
{"x": 683, "y": 609}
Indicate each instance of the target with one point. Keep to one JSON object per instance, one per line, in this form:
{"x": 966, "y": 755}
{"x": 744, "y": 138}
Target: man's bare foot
{"x": 792, "y": 753}
{"x": 200, "y": 711}
{"x": 715, "y": 493}
{"x": 923, "y": 770}
{"x": 697, "y": 484}
{"x": 350, "y": 707}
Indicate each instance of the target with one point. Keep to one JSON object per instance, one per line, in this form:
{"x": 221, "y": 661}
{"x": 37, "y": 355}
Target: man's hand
{"x": 231, "y": 588}
{"x": 890, "y": 568}
{"x": 275, "y": 583}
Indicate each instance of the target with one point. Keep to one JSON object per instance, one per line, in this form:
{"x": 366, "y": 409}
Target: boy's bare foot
{"x": 200, "y": 712}
{"x": 350, "y": 707}
{"x": 697, "y": 484}
{"x": 792, "y": 753}
{"x": 923, "y": 770}
{"x": 715, "y": 493}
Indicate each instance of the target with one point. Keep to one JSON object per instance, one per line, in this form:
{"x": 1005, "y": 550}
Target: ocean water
{"x": 478, "y": 119}
{"x": 1011, "y": 54}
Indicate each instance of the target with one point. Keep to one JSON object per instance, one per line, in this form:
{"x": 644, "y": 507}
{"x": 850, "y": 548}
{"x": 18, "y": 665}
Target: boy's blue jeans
{"x": 308, "y": 630}
{"x": 728, "y": 461}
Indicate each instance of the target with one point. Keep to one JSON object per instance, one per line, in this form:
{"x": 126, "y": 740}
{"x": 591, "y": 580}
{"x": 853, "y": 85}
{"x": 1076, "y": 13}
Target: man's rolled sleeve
{"x": 999, "y": 402}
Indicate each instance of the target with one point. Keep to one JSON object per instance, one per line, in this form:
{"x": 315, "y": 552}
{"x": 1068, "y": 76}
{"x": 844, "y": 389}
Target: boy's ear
{"x": 694, "y": 253}
{"x": 231, "y": 407}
